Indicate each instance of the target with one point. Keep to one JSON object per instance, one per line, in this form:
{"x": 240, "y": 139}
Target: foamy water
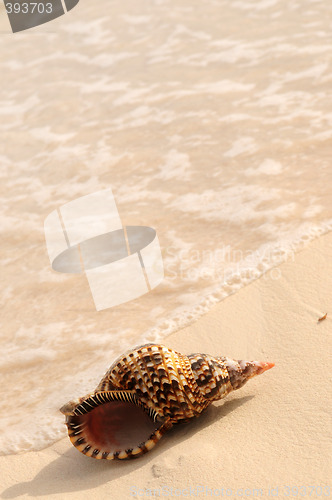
{"x": 211, "y": 122}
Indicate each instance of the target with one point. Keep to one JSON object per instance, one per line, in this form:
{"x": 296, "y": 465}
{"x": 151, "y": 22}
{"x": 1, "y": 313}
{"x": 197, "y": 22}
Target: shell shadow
{"x": 72, "y": 471}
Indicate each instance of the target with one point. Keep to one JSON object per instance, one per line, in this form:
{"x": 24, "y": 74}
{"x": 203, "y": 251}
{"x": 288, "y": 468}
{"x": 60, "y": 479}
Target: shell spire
{"x": 144, "y": 393}
{"x": 241, "y": 371}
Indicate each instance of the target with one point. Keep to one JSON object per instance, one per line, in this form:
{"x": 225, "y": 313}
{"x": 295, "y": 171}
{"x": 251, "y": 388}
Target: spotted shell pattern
{"x": 169, "y": 387}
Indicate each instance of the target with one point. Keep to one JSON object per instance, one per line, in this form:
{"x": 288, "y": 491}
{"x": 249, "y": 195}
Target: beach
{"x": 270, "y": 438}
{"x": 209, "y": 125}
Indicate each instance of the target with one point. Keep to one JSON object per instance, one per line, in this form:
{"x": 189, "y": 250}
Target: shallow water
{"x": 211, "y": 123}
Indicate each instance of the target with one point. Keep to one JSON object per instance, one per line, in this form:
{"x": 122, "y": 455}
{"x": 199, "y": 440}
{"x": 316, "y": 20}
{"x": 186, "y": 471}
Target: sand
{"x": 263, "y": 440}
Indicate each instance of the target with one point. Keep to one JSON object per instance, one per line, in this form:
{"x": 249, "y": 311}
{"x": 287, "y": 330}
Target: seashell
{"x": 144, "y": 393}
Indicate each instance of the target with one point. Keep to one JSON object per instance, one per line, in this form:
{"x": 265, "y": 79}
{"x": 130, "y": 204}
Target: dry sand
{"x": 273, "y": 433}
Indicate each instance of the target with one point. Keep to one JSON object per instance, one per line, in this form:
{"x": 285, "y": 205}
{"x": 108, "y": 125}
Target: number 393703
{"x": 28, "y": 7}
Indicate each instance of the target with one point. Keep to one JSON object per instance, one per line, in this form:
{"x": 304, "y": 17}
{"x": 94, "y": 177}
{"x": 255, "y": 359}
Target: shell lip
{"x": 91, "y": 401}
{"x": 113, "y": 424}
{"x": 68, "y": 408}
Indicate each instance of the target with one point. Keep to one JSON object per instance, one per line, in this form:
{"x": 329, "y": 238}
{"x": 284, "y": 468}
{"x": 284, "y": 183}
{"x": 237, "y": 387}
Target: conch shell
{"x": 144, "y": 393}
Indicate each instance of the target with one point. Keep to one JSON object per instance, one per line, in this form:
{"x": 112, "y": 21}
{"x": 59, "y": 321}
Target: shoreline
{"x": 270, "y": 434}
